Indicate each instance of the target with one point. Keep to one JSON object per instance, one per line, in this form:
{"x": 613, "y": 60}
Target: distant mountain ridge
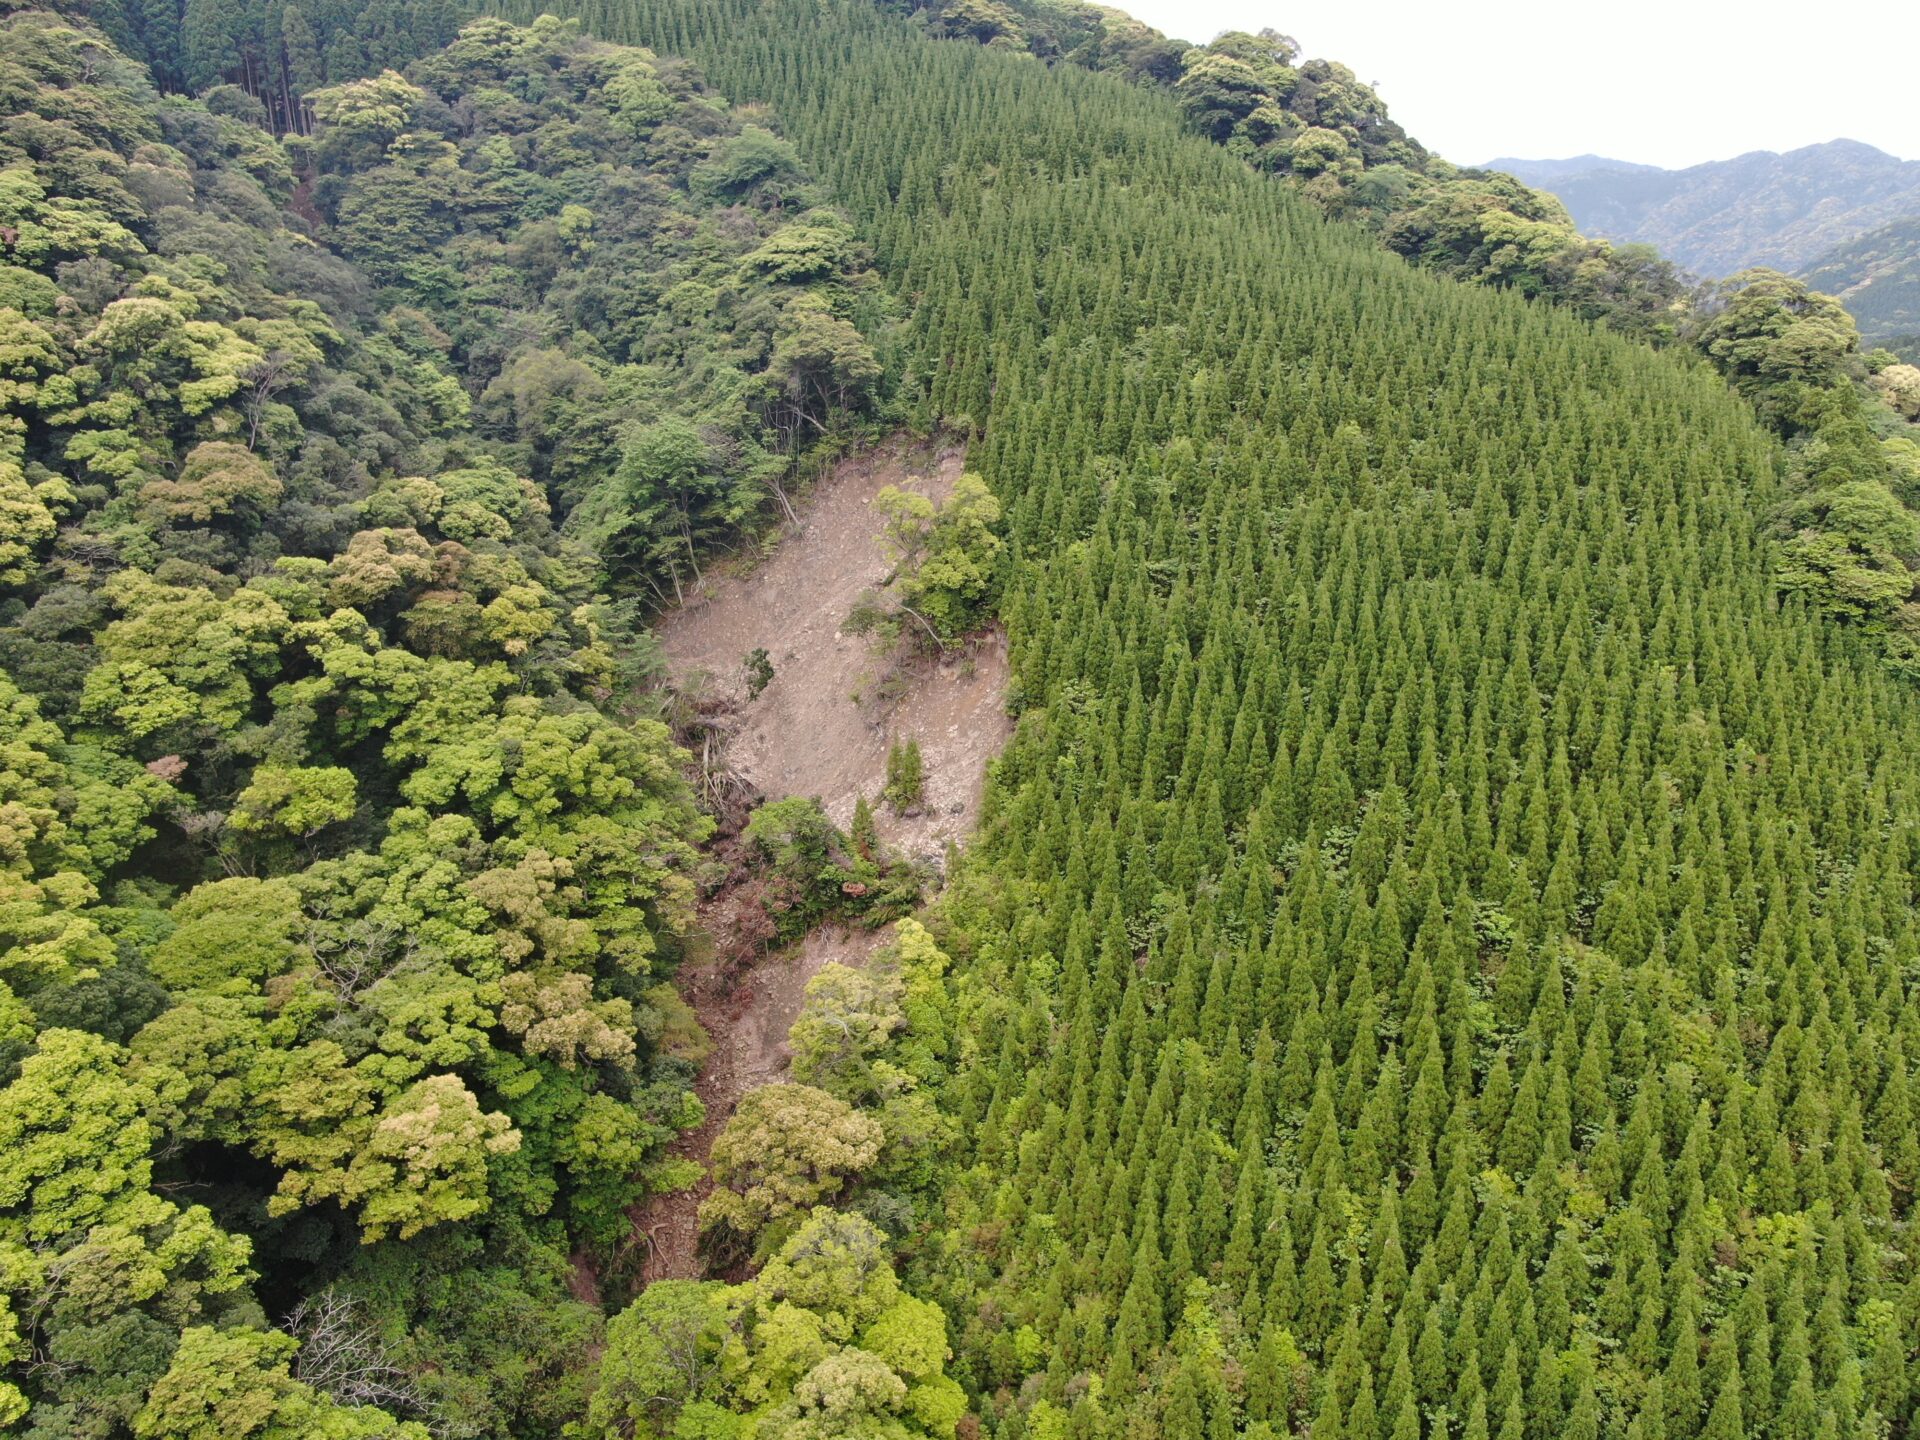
{"x": 1785, "y": 210}
{"x": 1540, "y": 172}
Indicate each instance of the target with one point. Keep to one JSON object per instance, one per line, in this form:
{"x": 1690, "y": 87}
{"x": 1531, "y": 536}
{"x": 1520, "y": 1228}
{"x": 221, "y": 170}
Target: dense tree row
{"x": 1440, "y": 962}
{"x": 1315, "y": 123}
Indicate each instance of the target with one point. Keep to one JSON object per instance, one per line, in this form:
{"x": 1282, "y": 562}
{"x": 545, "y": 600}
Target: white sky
{"x": 1663, "y": 82}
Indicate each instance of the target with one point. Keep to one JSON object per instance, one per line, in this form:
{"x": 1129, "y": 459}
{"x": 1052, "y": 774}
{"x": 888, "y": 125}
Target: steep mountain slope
{"x": 1547, "y": 172}
{"x": 1877, "y": 277}
{"x": 1763, "y": 208}
{"x": 1315, "y": 123}
{"x": 1437, "y": 960}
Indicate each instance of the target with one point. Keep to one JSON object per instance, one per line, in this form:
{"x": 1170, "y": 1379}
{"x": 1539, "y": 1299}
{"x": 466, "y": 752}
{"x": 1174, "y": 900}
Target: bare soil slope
{"x": 821, "y": 728}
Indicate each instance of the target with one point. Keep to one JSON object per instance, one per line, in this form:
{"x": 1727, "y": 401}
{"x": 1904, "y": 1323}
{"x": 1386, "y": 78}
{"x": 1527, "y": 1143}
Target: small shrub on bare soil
{"x": 906, "y": 777}
{"x": 759, "y": 668}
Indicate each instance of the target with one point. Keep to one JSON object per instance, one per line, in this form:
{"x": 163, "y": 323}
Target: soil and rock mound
{"x": 823, "y": 724}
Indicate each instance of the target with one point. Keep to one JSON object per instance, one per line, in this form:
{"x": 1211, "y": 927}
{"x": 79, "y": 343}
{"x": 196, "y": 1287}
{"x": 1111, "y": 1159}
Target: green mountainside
{"x": 1782, "y": 210}
{"x": 1312, "y": 122}
{"x": 1442, "y": 953}
{"x": 1877, "y": 277}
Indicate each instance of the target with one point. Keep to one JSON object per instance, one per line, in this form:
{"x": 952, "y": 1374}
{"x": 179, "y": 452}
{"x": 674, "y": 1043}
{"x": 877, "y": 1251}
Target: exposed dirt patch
{"x": 822, "y": 727}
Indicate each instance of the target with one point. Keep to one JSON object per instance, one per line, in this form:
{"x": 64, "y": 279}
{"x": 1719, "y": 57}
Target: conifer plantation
{"x": 1441, "y": 959}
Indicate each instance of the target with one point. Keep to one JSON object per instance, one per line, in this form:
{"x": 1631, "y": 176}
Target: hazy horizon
{"x": 1536, "y": 82}
{"x": 1630, "y": 160}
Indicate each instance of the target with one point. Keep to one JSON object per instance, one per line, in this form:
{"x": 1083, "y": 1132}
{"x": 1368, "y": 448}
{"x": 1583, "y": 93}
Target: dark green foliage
{"x": 759, "y": 670}
{"x": 906, "y": 776}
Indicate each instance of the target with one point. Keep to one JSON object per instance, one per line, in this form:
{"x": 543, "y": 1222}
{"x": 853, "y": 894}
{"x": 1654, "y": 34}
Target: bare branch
{"x": 343, "y": 1357}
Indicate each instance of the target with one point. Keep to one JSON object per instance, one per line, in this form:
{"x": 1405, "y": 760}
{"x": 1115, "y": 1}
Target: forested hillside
{"x": 343, "y": 860}
{"x": 1315, "y": 124}
{"x": 1389, "y": 993}
{"x": 1439, "y": 959}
